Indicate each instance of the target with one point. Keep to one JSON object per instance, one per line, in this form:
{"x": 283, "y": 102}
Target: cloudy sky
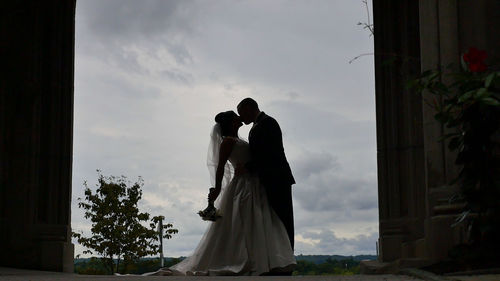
{"x": 151, "y": 75}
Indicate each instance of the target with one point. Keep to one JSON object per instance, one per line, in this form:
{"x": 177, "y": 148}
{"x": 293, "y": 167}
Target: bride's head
{"x": 229, "y": 122}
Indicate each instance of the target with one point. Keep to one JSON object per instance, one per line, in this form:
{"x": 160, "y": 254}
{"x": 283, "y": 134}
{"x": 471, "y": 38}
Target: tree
{"x": 92, "y": 266}
{"x": 117, "y": 229}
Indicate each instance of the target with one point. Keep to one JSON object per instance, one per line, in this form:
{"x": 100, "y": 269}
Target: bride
{"x": 249, "y": 238}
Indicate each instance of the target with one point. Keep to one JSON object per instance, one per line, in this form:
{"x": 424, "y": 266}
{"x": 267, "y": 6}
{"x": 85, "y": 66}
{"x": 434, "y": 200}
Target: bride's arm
{"x": 225, "y": 150}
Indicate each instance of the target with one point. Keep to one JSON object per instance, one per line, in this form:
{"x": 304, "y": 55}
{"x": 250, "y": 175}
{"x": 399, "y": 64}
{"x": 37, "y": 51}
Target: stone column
{"x": 448, "y": 28}
{"x": 401, "y": 181}
{"x": 36, "y": 129}
{"x": 414, "y": 167}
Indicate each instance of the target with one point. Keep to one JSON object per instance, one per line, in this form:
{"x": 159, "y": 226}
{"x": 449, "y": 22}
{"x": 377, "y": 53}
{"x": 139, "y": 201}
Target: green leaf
{"x": 448, "y": 107}
{"x": 466, "y": 96}
{"x": 490, "y": 101}
{"x": 464, "y": 65}
{"x": 489, "y": 79}
{"x": 482, "y": 92}
{"x": 434, "y": 75}
{"x": 461, "y": 218}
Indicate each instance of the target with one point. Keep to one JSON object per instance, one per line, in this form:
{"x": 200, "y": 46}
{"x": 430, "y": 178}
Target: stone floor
{"x": 8, "y": 274}
{"x": 11, "y": 274}
{"x": 486, "y": 277}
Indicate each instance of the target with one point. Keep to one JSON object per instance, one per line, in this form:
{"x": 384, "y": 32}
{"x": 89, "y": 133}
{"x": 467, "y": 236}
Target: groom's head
{"x": 248, "y": 109}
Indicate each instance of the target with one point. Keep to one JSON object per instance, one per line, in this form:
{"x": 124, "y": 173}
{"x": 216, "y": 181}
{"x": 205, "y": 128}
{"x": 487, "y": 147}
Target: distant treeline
{"x": 317, "y": 259}
{"x": 306, "y": 265}
{"x": 94, "y": 266}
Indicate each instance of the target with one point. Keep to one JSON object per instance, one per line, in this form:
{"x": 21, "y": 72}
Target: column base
{"x": 57, "y": 256}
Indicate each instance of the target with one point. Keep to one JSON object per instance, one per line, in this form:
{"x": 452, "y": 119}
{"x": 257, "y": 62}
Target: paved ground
{"x": 9, "y": 274}
{"x": 486, "y": 277}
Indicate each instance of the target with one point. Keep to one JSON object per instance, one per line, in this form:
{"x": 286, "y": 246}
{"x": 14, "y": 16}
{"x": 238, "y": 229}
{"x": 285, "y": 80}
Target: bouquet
{"x": 210, "y": 213}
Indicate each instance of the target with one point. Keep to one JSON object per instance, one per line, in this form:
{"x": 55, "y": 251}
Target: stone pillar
{"x": 399, "y": 129}
{"x": 414, "y": 168}
{"x": 36, "y": 129}
{"x": 448, "y": 28}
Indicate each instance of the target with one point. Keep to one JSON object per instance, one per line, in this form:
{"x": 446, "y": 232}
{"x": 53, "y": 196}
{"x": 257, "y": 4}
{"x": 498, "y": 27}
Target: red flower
{"x": 475, "y": 58}
{"x": 477, "y": 67}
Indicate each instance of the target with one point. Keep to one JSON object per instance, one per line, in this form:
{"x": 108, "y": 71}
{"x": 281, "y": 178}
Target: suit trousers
{"x": 280, "y": 199}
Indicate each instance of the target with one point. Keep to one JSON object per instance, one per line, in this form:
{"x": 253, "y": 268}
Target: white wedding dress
{"x": 249, "y": 239}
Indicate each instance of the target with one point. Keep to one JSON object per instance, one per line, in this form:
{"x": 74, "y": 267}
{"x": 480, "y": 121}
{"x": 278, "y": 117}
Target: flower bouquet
{"x": 210, "y": 213}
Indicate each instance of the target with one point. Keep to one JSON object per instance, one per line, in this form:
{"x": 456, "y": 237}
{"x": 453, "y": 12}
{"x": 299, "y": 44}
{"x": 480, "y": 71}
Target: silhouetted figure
{"x": 249, "y": 237}
{"x": 269, "y": 161}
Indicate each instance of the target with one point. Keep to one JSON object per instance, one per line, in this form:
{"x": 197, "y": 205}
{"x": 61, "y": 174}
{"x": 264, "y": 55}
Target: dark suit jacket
{"x": 268, "y": 156}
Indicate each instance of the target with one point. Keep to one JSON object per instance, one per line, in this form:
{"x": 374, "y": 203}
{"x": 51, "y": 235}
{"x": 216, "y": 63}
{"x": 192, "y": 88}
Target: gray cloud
{"x": 314, "y": 163}
{"x": 121, "y": 32}
{"x": 123, "y": 20}
{"x": 327, "y": 242}
{"x": 178, "y": 76}
{"x": 329, "y": 192}
{"x": 151, "y": 75}
{"x": 314, "y": 126}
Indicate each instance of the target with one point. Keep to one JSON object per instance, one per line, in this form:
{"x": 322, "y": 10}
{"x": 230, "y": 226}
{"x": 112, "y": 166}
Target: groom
{"x": 269, "y": 161}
